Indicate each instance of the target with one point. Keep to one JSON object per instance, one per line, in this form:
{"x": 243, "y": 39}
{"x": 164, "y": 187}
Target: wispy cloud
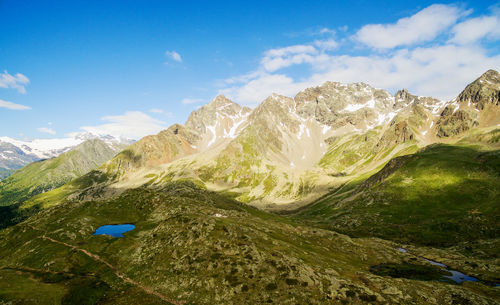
{"x": 279, "y": 58}
{"x": 13, "y": 106}
{"x": 472, "y": 30}
{"x": 17, "y": 81}
{"x": 46, "y": 130}
{"x": 166, "y": 114}
{"x": 156, "y": 110}
{"x": 423, "y": 26}
{"x": 187, "y": 101}
{"x": 131, "y": 124}
{"x": 313, "y": 31}
{"x": 429, "y": 53}
{"x": 327, "y": 31}
{"x": 174, "y": 56}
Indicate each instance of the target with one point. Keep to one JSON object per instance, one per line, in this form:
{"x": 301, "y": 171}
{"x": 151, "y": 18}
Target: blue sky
{"x": 132, "y": 68}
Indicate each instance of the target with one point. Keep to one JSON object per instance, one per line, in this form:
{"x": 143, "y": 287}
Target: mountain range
{"x": 343, "y": 194}
{"x": 44, "y": 175}
{"x": 15, "y": 154}
{"x": 289, "y": 151}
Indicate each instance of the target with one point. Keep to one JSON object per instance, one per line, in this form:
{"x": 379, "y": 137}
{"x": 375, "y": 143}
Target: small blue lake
{"x": 114, "y": 230}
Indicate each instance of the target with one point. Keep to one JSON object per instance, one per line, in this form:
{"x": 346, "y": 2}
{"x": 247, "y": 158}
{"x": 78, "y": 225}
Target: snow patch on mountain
{"x": 44, "y": 148}
{"x": 15, "y": 154}
{"x": 356, "y": 107}
{"x": 213, "y": 134}
{"x": 49, "y": 148}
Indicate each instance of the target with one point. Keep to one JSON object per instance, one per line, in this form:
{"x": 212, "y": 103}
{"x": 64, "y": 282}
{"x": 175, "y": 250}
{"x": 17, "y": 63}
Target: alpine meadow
{"x": 331, "y": 153}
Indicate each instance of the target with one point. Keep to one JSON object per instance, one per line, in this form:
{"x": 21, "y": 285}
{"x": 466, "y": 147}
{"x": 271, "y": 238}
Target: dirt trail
{"x": 122, "y": 276}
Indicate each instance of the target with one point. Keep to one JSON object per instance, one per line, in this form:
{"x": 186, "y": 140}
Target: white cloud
{"x": 46, "y": 130}
{"x": 296, "y": 49}
{"x": 474, "y": 29}
{"x": 441, "y": 71}
{"x": 326, "y": 45}
{"x": 313, "y": 31}
{"x": 174, "y": 56}
{"x": 13, "y": 106}
{"x": 17, "y": 81}
{"x": 132, "y": 124}
{"x": 276, "y": 59}
{"x": 327, "y": 31}
{"x": 188, "y": 101}
{"x": 256, "y": 90}
{"x": 156, "y": 110}
{"x": 421, "y": 27}
{"x": 167, "y": 114}
{"x": 439, "y": 68}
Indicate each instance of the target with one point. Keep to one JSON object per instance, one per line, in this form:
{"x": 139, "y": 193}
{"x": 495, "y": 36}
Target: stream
{"x": 456, "y": 276}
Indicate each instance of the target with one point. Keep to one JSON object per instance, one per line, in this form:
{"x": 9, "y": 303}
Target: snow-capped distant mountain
{"x": 44, "y": 175}
{"x": 43, "y": 148}
{"x": 15, "y": 154}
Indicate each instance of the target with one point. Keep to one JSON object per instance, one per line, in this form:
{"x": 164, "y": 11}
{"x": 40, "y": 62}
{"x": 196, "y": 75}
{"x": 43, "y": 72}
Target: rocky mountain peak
{"x": 208, "y": 114}
{"x": 220, "y": 101}
{"x": 491, "y": 75}
{"x": 219, "y": 119}
{"x": 276, "y": 108}
{"x": 483, "y": 91}
{"x": 403, "y": 98}
{"x": 488, "y": 80}
{"x": 403, "y": 95}
{"x": 340, "y": 105}
{"x": 337, "y": 97}
{"x": 478, "y": 105}
{"x": 277, "y": 99}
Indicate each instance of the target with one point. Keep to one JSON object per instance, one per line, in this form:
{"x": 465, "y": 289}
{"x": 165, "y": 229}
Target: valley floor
{"x": 192, "y": 246}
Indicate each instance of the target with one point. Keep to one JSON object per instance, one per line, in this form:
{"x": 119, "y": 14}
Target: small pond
{"x": 114, "y": 230}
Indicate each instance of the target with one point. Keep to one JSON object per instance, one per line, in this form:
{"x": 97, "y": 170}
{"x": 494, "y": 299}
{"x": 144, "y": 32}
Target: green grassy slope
{"x": 192, "y": 246}
{"x": 42, "y": 176}
{"x": 441, "y": 195}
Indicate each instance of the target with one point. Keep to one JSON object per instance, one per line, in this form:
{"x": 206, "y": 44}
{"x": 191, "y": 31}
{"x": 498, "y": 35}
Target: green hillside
{"x": 191, "y": 246}
{"x": 42, "y": 176}
{"x": 441, "y": 195}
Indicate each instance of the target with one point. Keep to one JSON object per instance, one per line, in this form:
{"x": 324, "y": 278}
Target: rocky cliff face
{"x": 343, "y": 105}
{"x": 483, "y": 92}
{"x": 477, "y": 106}
{"x": 173, "y": 143}
{"x": 455, "y": 121}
